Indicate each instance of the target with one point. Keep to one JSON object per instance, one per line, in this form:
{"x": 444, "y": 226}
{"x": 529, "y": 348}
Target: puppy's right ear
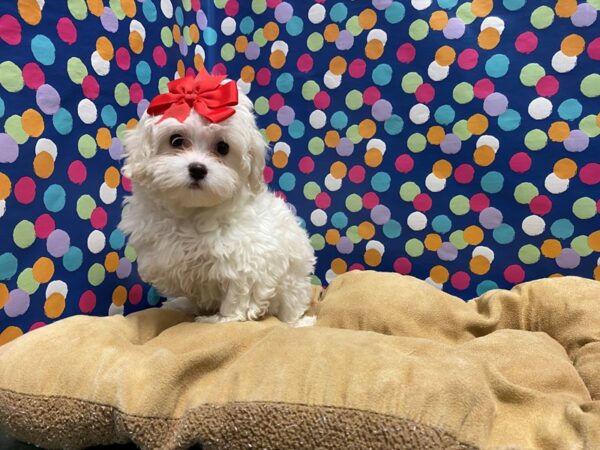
{"x": 137, "y": 147}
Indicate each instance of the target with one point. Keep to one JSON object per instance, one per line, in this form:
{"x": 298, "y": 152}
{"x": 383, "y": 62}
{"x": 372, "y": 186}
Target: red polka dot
{"x": 356, "y": 266}
{"x": 159, "y": 56}
{"x": 66, "y": 30}
{"x": 33, "y": 76}
{"x": 219, "y": 69}
{"x": 263, "y": 76}
{"x": 37, "y": 325}
{"x": 370, "y": 200}
{"x": 276, "y": 101}
{"x": 460, "y": 280}
{"x": 232, "y": 7}
{"x": 406, "y": 53}
{"x": 464, "y": 174}
{"x": 520, "y": 162}
{"x": 371, "y": 95}
{"x": 126, "y": 183}
{"x": 90, "y": 87}
{"x": 404, "y": 163}
{"x": 87, "y": 302}
{"x": 593, "y": 49}
{"x": 357, "y": 68}
{"x": 357, "y": 174}
{"x": 323, "y": 200}
{"x": 540, "y": 205}
{"x": 77, "y": 172}
{"x": 306, "y": 164}
{"x": 514, "y": 274}
{"x": 10, "y": 30}
{"x": 483, "y": 88}
{"x": 268, "y": 174}
{"x": 425, "y": 93}
{"x": 43, "y": 226}
{"x": 526, "y": 42}
{"x": 547, "y": 86}
{"x": 123, "y": 58}
{"x": 25, "y": 190}
{"x": 422, "y": 202}
{"x": 135, "y": 294}
{"x": 305, "y": 63}
{"x": 468, "y": 59}
{"x": 98, "y": 218}
{"x": 590, "y": 174}
{"x": 479, "y": 202}
{"x": 322, "y": 100}
{"x": 136, "y": 93}
{"x": 403, "y": 265}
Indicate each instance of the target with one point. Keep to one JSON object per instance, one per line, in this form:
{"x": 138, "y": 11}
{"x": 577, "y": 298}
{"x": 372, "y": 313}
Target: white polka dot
{"x": 318, "y": 217}
{"x": 417, "y": 221}
{"x": 282, "y": 147}
{"x": 540, "y": 108}
{"x": 330, "y": 275}
{"x": 41, "y": 3}
{"x": 199, "y": 50}
{"x": 555, "y": 185}
{"x": 486, "y": 252}
{"x": 243, "y": 86}
{"x": 563, "y": 63}
{"x": 378, "y": 144}
{"x": 437, "y": 72}
{"x": 57, "y": 287}
{"x": 46, "y": 145}
{"x": 279, "y": 45}
{"x": 317, "y": 119}
{"x": 493, "y": 22}
{"x": 488, "y": 140}
{"x": 332, "y": 184}
{"x": 439, "y": 286}
{"x": 378, "y": 34}
{"x": 96, "y": 241}
{"x": 331, "y": 80}
{"x": 100, "y": 66}
{"x": 137, "y": 26}
{"x": 435, "y": 184}
{"x": 228, "y": 26}
{"x": 114, "y": 310}
{"x": 167, "y": 8}
{"x": 86, "y": 109}
{"x": 419, "y": 114}
{"x": 376, "y": 245}
{"x": 420, "y": 5}
{"x": 316, "y": 13}
{"x": 533, "y": 225}
{"x": 107, "y": 194}
{"x": 2, "y": 207}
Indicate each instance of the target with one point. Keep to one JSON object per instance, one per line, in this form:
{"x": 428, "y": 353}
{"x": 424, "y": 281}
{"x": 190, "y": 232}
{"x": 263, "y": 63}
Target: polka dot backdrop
{"x": 449, "y": 140}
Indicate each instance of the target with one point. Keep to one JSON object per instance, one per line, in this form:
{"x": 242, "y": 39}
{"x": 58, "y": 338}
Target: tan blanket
{"x": 393, "y": 363}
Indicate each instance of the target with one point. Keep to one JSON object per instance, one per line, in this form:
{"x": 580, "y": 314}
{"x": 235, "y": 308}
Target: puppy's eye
{"x": 178, "y": 141}
{"x": 222, "y": 148}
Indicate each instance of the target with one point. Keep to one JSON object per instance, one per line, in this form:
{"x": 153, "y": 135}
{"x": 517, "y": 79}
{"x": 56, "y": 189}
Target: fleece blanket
{"x": 392, "y": 363}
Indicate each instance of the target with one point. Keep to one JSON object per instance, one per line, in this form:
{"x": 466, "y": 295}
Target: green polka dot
{"x": 353, "y": 203}
{"x": 78, "y": 9}
{"x": 414, "y": 247}
{"x": 352, "y": 234}
{"x": 463, "y": 93}
{"x": 317, "y": 241}
{"x": 26, "y": 282}
{"x": 76, "y": 70}
{"x": 259, "y": 37}
{"x": 418, "y": 30}
{"x": 353, "y": 134}
{"x": 85, "y": 206}
{"x": 227, "y": 52}
{"x": 314, "y": 42}
{"x": 24, "y": 234}
{"x": 220, "y": 4}
{"x": 354, "y": 99}
{"x": 536, "y": 140}
{"x": 311, "y": 189}
{"x": 186, "y": 35}
{"x": 461, "y": 130}
{"x": 457, "y": 238}
{"x": 163, "y": 85}
{"x": 531, "y": 74}
{"x": 409, "y": 190}
{"x": 261, "y": 106}
{"x": 316, "y": 145}
{"x": 465, "y": 13}
{"x": 122, "y": 94}
{"x": 310, "y": 89}
{"x": 115, "y": 6}
{"x": 96, "y": 274}
{"x": 529, "y": 254}
{"x": 87, "y": 146}
{"x": 416, "y": 142}
{"x": 411, "y": 81}
{"x": 459, "y": 205}
{"x": 580, "y": 245}
{"x": 542, "y": 17}
{"x": 315, "y": 280}
{"x": 584, "y": 208}
{"x": 121, "y": 129}
{"x": 259, "y": 6}
{"x": 14, "y": 128}
{"x": 166, "y": 36}
{"x": 590, "y": 85}
{"x": 353, "y": 26}
{"x": 594, "y": 3}
{"x": 524, "y": 192}
{"x": 130, "y": 253}
{"x": 589, "y": 125}
{"x": 11, "y": 77}
{"x": 187, "y": 4}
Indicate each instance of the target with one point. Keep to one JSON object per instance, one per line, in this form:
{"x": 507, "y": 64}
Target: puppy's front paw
{"x": 218, "y": 318}
{"x": 181, "y": 304}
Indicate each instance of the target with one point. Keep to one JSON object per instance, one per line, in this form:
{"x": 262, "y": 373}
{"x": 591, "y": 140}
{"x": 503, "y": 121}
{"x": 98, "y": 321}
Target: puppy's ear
{"x": 137, "y": 147}
{"x": 258, "y": 154}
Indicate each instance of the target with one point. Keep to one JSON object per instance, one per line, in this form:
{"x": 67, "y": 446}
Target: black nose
{"x": 197, "y": 171}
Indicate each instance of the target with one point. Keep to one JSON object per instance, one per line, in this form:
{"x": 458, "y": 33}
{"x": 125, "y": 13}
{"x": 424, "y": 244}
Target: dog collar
{"x": 204, "y": 93}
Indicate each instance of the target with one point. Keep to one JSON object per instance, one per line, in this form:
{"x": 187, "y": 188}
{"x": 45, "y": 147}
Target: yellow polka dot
{"x": 572, "y": 45}
{"x": 277, "y": 59}
{"x": 194, "y": 33}
{"x": 3, "y": 295}
{"x": 43, "y": 165}
{"x": 5, "y": 186}
{"x": 442, "y": 169}
{"x": 30, "y": 11}
{"x": 438, "y": 20}
{"x": 559, "y": 131}
{"x": 339, "y": 266}
{"x": 54, "y": 305}
{"x": 271, "y": 31}
{"x": 331, "y": 32}
{"x": 445, "y": 55}
{"x": 565, "y": 168}
{"x": 551, "y": 248}
{"x": 128, "y": 7}
{"x": 372, "y": 258}
{"x": 332, "y": 237}
{"x": 280, "y": 159}
{"x": 565, "y": 8}
{"x": 488, "y": 38}
{"x": 96, "y": 7}
{"x": 9, "y": 334}
{"x": 367, "y": 128}
{"x": 366, "y": 230}
{"x": 484, "y": 155}
{"x": 112, "y": 177}
{"x": 338, "y": 170}
{"x": 596, "y": 274}
{"x": 43, "y": 269}
{"x": 374, "y": 49}
{"x": 436, "y": 135}
{"x": 367, "y": 19}
{"x": 594, "y": 241}
{"x": 119, "y": 296}
{"x": 338, "y": 65}
{"x": 477, "y": 124}
{"x": 439, "y": 274}
{"x": 479, "y": 265}
{"x": 247, "y": 74}
{"x": 241, "y": 43}
{"x": 111, "y": 262}
{"x": 273, "y": 132}
{"x": 473, "y": 235}
{"x": 103, "y": 138}
{"x": 136, "y": 42}
{"x": 433, "y": 242}
{"x": 176, "y": 33}
{"x": 32, "y": 123}
{"x": 105, "y": 48}
{"x": 373, "y": 157}
{"x": 332, "y": 138}
{"x": 481, "y": 8}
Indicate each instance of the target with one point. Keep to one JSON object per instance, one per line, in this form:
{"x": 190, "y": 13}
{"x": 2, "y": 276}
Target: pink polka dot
{"x": 547, "y": 86}
{"x": 422, "y": 202}
{"x": 479, "y": 202}
{"x": 323, "y": 200}
{"x": 598, "y": 206}
{"x": 126, "y": 183}
{"x": 357, "y": 68}
{"x": 263, "y": 76}
{"x": 268, "y": 174}
{"x": 43, "y": 226}
{"x": 159, "y": 56}
{"x": 468, "y": 59}
{"x": 370, "y": 200}
{"x": 322, "y": 100}
{"x": 425, "y": 93}
{"x": 356, "y": 266}
{"x": 276, "y": 101}
{"x": 66, "y": 30}
{"x": 135, "y": 294}
{"x": 281, "y": 195}
{"x": 514, "y": 274}
{"x": 540, "y": 205}
{"x": 460, "y": 280}
{"x": 357, "y": 174}
{"x": 273, "y": 3}
{"x": 189, "y": 72}
{"x": 483, "y": 88}
{"x": 305, "y": 63}
{"x": 33, "y": 75}
{"x": 196, "y": 5}
{"x": 590, "y": 174}
{"x": 403, "y": 265}
{"x": 98, "y": 218}
{"x": 232, "y": 7}
{"x": 123, "y": 58}
{"x": 520, "y": 162}
{"x": 526, "y": 42}
{"x": 404, "y": 163}
{"x": 406, "y": 53}
{"x": 90, "y": 87}
{"x": 593, "y": 49}
{"x": 219, "y": 69}
{"x": 464, "y": 174}
{"x": 87, "y": 302}
{"x": 136, "y": 93}
{"x": 306, "y": 165}
{"x": 25, "y": 190}
{"x": 77, "y": 172}
{"x": 371, "y": 95}
{"x": 37, "y": 325}
{"x": 10, "y": 30}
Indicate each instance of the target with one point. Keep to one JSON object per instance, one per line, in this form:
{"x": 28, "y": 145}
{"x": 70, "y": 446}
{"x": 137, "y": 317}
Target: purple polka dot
{"x": 9, "y": 149}
{"x": 252, "y": 51}
{"x": 490, "y": 218}
{"x": 381, "y": 214}
{"x": 124, "y": 269}
{"x": 283, "y": 12}
{"x": 454, "y": 29}
{"x": 116, "y": 149}
{"x": 451, "y": 144}
{"x": 447, "y": 252}
{"x": 109, "y": 20}
{"x": 568, "y": 259}
{"x": 345, "y": 147}
{"x": 47, "y": 99}
{"x": 285, "y": 115}
{"x": 201, "y": 20}
{"x": 381, "y": 4}
{"x": 495, "y": 104}
{"x": 577, "y": 141}
{"x": 183, "y": 48}
{"x": 381, "y": 110}
{"x": 345, "y": 40}
{"x": 344, "y": 246}
{"x": 584, "y": 16}
{"x": 58, "y": 243}
{"x": 18, "y": 303}
{"x": 141, "y": 107}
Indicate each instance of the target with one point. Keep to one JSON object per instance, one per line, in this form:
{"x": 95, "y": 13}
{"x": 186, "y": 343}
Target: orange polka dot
{"x": 338, "y": 170}
{"x": 194, "y": 33}
{"x": 54, "y": 305}
{"x": 477, "y": 124}
{"x": 565, "y": 168}
{"x": 339, "y": 266}
{"x": 198, "y": 62}
{"x": 247, "y": 74}
{"x": 373, "y": 157}
{"x": 559, "y": 131}
{"x": 105, "y": 48}
{"x": 5, "y": 186}
{"x": 482, "y": 8}
{"x": 372, "y": 258}
{"x": 136, "y": 42}
{"x": 439, "y": 274}
{"x": 436, "y": 135}
{"x": 332, "y": 138}
{"x": 111, "y": 262}
{"x": 112, "y": 177}
{"x": 484, "y": 155}
{"x": 565, "y": 8}
{"x": 473, "y": 235}
{"x": 271, "y": 31}
{"x": 555, "y": 275}
{"x": 43, "y": 269}
{"x": 367, "y": 128}
{"x": 338, "y": 65}
{"x": 332, "y": 237}
{"x": 277, "y": 59}
{"x": 280, "y": 159}
{"x": 96, "y": 7}
{"x": 445, "y": 55}
{"x": 176, "y": 33}
{"x": 43, "y": 165}
{"x": 3, "y": 295}
{"x": 128, "y": 7}
{"x": 479, "y": 265}
{"x": 30, "y": 11}
{"x": 273, "y": 132}
{"x": 32, "y": 123}
{"x": 366, "y": 230}
{"x": 241, "y": 43}
{"x": 442, "y": 169}
{"x": 374, "y": 49}
{"x": 572, "y": 45}
{"x": 119, "y": 296}
{"x": 367, "y": 19}
{"x": 9, "y": 334}
{"x": 131, "y": 124}
{"x": 433, "y": 242}
{"x": 103, "y": 137}
{"x": 488, "y": 38}
{"x": 597, "y": 273}
{"x": 438, "y": 20}
{"x": 331, "y": 32}
{"x": 594, "y": 241}
{"x": 551, "y": 248}
{"x": 180, "y": 69}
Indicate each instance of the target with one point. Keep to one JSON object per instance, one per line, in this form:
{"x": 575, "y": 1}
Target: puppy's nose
{"x": 197, "y": 171}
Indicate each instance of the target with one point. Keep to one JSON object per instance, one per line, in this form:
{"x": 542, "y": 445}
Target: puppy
{"x": 207, "y": 231}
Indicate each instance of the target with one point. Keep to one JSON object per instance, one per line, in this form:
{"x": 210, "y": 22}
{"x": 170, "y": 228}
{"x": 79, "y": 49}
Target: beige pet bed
{"x": 392, "y": 363}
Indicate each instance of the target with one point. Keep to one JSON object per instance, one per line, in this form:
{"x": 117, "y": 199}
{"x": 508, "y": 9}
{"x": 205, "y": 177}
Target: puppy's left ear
{"x": 257, "y": 155}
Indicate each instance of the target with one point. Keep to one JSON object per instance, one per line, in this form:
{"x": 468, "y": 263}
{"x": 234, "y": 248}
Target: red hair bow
{"x": 205, "y": 94}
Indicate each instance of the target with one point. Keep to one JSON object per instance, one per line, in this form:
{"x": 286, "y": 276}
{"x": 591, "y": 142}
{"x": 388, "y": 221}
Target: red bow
{"x": 205, "y": 94}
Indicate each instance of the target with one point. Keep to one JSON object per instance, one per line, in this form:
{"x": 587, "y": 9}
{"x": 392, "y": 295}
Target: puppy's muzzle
{"x": 197, "y": 171}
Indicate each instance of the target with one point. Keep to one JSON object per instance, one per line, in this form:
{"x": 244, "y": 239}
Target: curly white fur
{"x": 223, "y": 247}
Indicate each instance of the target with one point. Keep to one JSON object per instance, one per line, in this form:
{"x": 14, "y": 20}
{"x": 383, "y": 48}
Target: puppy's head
{"x": 196, "y": 163}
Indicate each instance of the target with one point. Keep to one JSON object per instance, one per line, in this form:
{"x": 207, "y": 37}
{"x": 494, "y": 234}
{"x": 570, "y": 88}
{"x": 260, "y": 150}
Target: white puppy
{"x": 207, "y": 231}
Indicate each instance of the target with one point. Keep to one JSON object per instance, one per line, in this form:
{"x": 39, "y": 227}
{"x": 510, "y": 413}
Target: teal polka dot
{"x": 116, "y": 239}
{"x": 294, "y": 26}
{"x": 247, "y": 25}
{"x": 444, "y": 115}
{"x": 393, "y": 125}
{"x": 55, "y": 198}
{"x": 486, "y": 285}
{"x": 504, "y": 234}
{"x": 570, "y": 109}
{"x": 497, "y": 66}
{"x": 492, "y": 182}
{"x": 287, "y": 181}
{"x": 382, "y": 74}
{"x": 179, "y": 16}
{"x": 73, "y": 259}
{"x": 392, "y": 229}
{"x": 149, "y": 10}
{"x": 285, "y": 82}
{"x": 339, "y": 220}
{"x": 339, "y": 120}
{"x": 381, "y": 181}
{"x": 143, "y": 72}
{"x": 447, "y": 4}
{"x": 338, "y": 12}
{"x": 8, "y": 266}
{"x": 296, "y": 129}
{"x": 2, "y": 108}
{"x": 513, "y": 5}
{"x": 153, "y": 296}
{"x": 509, "y": 120}
{"x": 209, "y": 36}
{"x": 109, "y": 115}
{"x": 63, "y": 121}
{"x": 562, "y": 229}
{"x": 43, "y": 50}
{"x": 395, "y": 12}
{"x": 441, "y": 224}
